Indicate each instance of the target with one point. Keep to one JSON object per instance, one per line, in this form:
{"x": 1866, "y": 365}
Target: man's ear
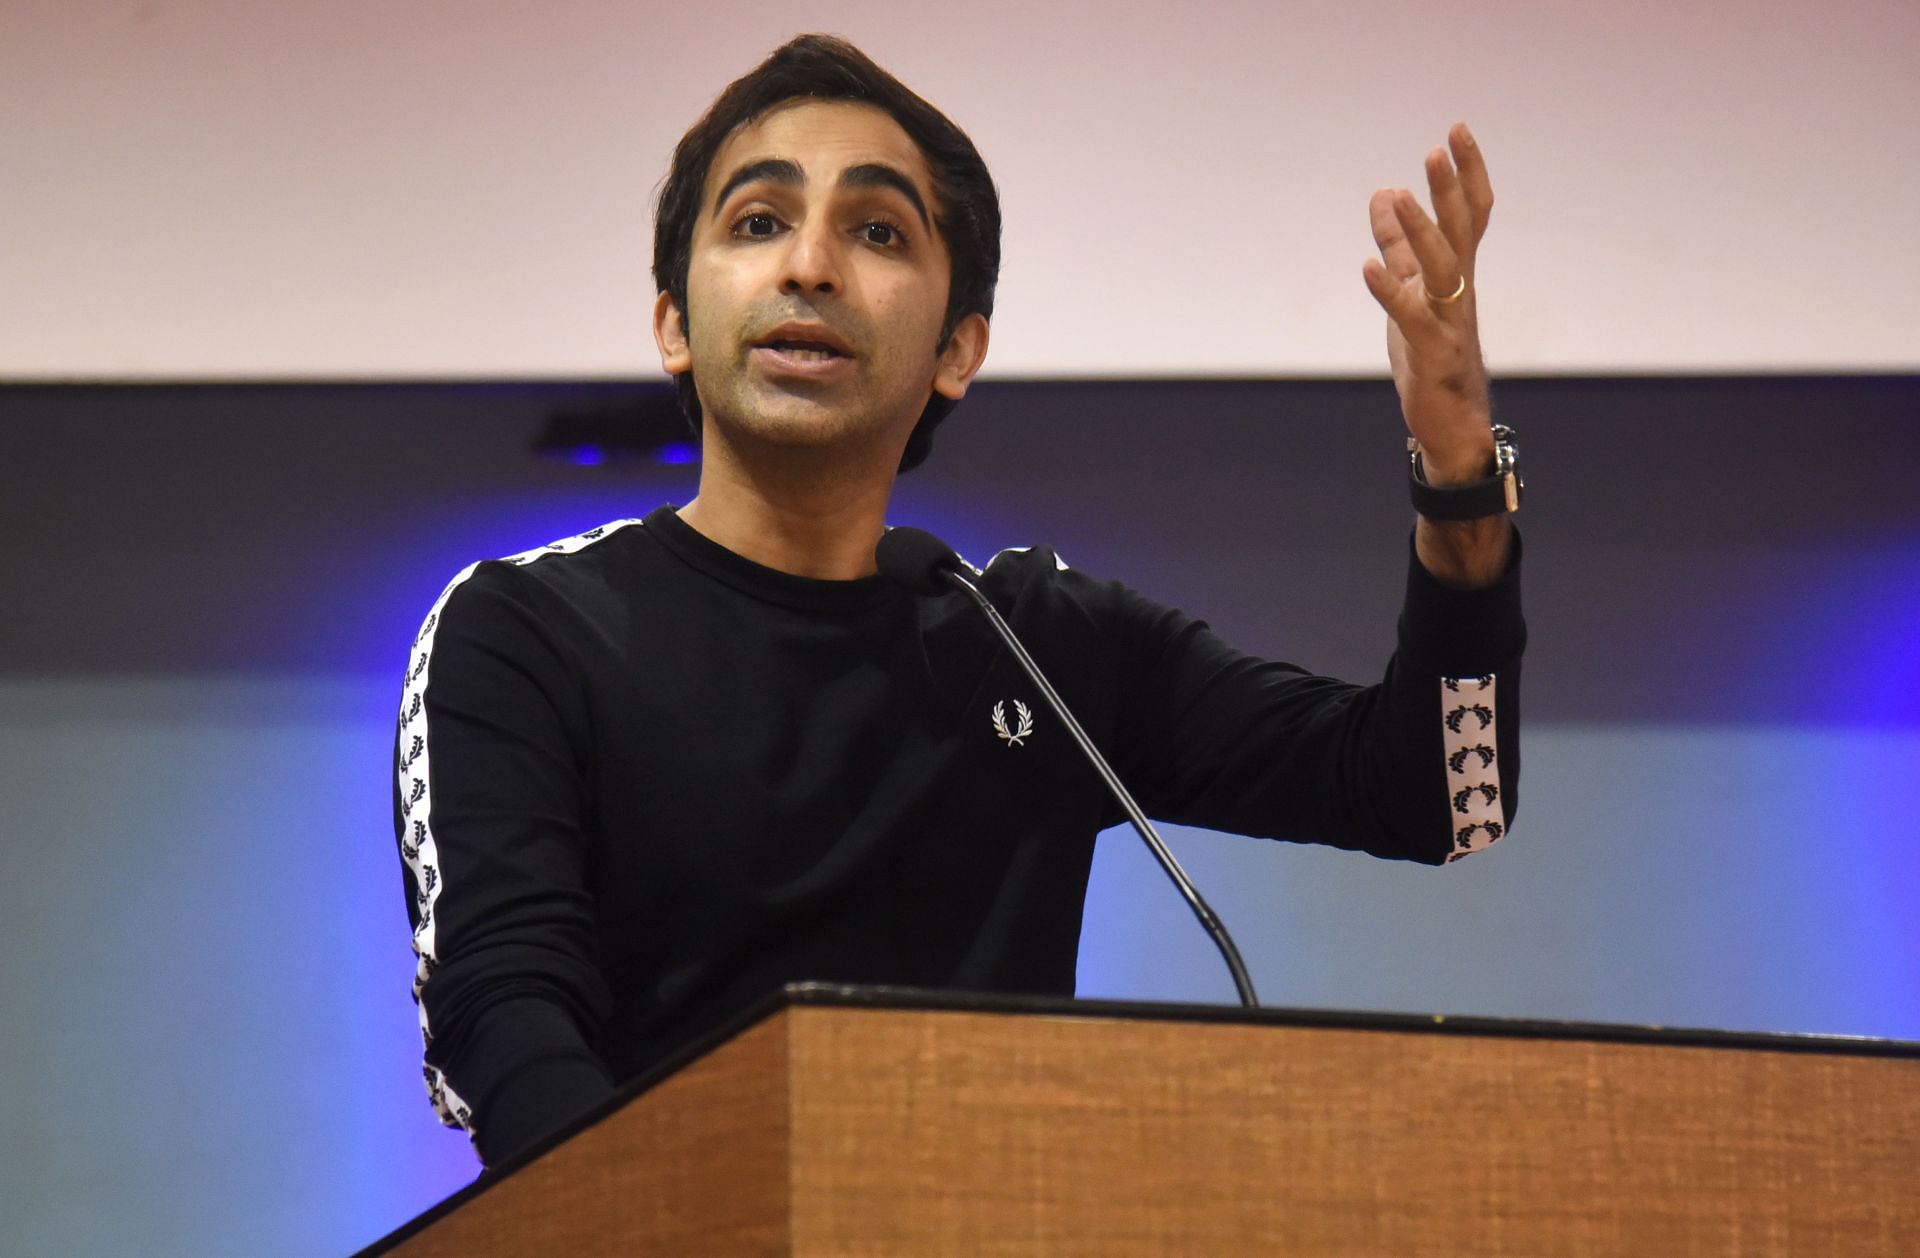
{"x": 670, "y": 334}
{"x": 966, "y": 350}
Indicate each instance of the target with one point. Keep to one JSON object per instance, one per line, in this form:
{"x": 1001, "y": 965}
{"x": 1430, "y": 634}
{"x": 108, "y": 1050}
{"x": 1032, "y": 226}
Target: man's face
{"x": 817, "y": 284}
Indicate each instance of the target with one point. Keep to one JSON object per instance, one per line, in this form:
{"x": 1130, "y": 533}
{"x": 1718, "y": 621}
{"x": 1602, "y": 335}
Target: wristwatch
{"x": 1498, "y": 493}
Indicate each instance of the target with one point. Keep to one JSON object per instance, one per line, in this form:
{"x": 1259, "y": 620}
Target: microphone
{"x": 916, "y": 559}
{"x": 926, "y": 565}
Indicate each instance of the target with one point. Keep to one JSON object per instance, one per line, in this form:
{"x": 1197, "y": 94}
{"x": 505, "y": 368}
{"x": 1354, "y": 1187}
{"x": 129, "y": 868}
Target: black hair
{"x": 966, "y": 211}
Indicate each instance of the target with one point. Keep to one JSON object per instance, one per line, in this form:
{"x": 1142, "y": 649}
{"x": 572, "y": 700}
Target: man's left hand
{"x": 1432, "y": 342}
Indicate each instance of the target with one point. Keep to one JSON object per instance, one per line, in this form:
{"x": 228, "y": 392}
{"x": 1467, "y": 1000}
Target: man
{"x": 648, "y": 774}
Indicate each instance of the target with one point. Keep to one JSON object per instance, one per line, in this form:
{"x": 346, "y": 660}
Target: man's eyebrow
{"x": 876, "y": 175}
{"x": 769, "y": 169}
{"x": 783, "y": 171}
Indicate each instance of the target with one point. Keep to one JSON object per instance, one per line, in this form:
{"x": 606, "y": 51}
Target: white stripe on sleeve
{"x": 417, "y": 845}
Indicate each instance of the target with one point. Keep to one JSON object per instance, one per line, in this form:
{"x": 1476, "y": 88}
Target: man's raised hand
{"x": 1423, "y": 279}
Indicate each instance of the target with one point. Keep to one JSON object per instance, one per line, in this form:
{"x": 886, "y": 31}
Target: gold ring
{"x": 1444, "y": 301}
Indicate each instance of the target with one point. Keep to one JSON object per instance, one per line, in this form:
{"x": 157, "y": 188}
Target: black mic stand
{"x": 1195, "y": 901}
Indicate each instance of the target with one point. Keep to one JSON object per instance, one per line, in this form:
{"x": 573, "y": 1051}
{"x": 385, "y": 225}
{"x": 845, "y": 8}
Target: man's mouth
{"x": 804, "y": 343}
{"x": 804, "y": 351}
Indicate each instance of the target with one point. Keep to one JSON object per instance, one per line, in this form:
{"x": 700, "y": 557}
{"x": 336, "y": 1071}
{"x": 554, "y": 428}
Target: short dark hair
{"x": 822, "y": 67}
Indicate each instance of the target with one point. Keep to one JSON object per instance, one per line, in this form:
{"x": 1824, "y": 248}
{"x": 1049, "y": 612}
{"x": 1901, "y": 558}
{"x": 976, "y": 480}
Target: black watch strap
{"x": 1499, "y": 493}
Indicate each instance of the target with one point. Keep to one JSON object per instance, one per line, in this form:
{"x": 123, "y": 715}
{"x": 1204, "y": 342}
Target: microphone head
{"x": 915, "y": 558}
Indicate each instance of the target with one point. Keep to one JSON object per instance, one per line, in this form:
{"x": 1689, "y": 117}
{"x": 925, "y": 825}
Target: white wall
{"x": 217, "y": 189}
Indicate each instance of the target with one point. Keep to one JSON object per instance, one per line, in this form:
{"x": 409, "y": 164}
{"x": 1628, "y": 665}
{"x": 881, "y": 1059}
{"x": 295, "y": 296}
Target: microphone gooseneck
{"x": 926, "y": 565}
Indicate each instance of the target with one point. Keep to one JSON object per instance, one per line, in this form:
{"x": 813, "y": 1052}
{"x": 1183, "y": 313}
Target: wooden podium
{"x": 863, "y": 1121}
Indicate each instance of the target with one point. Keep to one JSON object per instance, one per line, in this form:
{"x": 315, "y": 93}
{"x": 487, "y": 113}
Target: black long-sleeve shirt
{"x": 643, "y": 781}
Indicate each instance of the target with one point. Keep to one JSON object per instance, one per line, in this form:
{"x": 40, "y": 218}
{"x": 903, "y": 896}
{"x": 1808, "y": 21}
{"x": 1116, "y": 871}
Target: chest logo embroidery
{"x": 1023, "y": 717}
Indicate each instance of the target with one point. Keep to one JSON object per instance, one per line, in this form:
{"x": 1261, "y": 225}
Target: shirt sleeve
{"x": 487, "y": 810}
{"x": 1423, "y": 765}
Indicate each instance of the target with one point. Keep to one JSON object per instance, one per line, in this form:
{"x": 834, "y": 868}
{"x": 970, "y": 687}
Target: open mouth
{"x": 804, "y": 351}
{"x": 804, "y": 346}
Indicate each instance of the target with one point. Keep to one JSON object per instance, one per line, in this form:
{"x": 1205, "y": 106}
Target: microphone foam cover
{"x": 915, "y": 558}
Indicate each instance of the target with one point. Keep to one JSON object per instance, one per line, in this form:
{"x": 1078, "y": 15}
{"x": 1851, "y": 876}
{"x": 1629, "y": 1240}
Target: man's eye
{"x": 881, "y": 233}
{"x": 755, "y": 225}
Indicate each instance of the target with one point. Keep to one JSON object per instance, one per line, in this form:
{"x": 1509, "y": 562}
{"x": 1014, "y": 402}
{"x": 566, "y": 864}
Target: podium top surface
{"x": 852, "y": 996}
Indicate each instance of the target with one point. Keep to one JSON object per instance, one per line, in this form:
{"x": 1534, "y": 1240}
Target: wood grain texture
{"x": 695, "y": 1165}
{"x": 966, "y": 1133}
{"x": 895, "y": 1131}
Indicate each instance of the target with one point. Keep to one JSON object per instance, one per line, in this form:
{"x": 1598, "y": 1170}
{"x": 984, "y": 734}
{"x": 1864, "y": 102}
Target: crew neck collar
{"x": 761, "y": 582}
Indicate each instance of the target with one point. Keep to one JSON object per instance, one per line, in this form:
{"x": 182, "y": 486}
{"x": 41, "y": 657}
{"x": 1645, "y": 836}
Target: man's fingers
{"x": 1474, "y": 183}
{"x": 1396, "y": 297}
{"x": 1450, "y": 207}
{"x": 1440, "y": 267}
{"x": 1388, "y": 233}
{"x": 1424, "y": 261}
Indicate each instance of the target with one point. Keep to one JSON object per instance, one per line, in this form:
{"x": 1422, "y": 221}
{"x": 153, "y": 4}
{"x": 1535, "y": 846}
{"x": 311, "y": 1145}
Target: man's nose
{"x": 813, "y": 260}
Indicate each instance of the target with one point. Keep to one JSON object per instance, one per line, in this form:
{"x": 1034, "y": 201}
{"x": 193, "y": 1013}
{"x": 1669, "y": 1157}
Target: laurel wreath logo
{"x": 1022, "y": 714}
